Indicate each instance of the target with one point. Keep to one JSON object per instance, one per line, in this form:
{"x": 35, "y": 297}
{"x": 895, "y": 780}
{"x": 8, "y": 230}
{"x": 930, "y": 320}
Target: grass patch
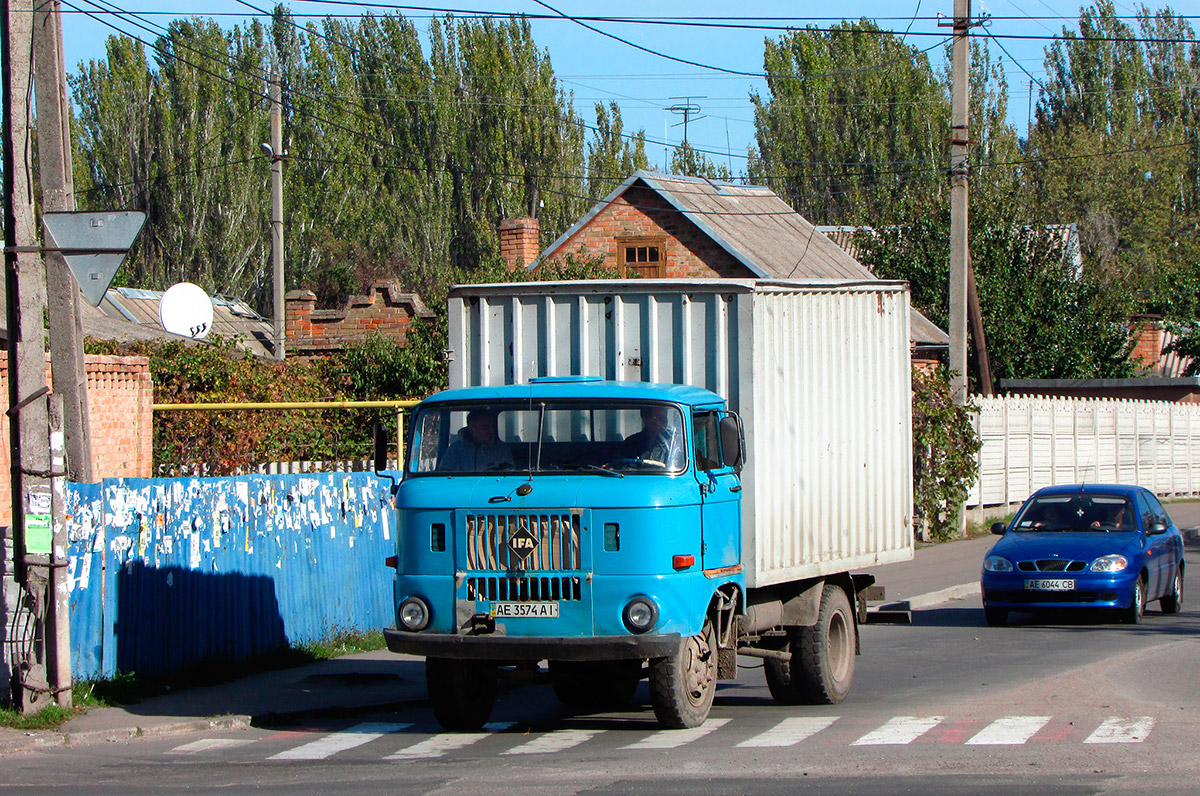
{"x": 83, "y": 698}
{"x": 128, "y": 689}
{"x": 345, "y": 644}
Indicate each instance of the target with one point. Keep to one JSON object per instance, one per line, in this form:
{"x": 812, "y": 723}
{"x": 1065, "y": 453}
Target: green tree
{"x": 1043, "y": 318}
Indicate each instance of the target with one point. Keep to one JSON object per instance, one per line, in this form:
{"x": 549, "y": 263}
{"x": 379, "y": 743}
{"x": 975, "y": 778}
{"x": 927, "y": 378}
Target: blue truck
{"x": 645, "y": 479}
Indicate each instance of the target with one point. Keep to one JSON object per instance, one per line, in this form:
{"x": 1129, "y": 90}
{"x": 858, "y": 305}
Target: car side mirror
{"x": 999, "y": 528}
{"x": 1157, "y": 528}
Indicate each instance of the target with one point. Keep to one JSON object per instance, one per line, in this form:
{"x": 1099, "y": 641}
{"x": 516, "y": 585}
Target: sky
{"x": 597, "y": 68}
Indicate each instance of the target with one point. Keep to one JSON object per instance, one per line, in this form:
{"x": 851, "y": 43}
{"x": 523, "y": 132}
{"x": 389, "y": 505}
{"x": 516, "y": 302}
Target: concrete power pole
{"x": 277, "y": 155}
{"x": 959, "y": 180}
{"x": 69, "y": 404}
{"x": 58, "y": 195}
{"x": 34, "y": 553}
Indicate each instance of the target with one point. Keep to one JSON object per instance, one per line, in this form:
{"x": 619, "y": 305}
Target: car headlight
{"x": 640, "y": 614}
{"x": 413, "y": 614}
{"x": 997, "y": 564}
{"x": 1113, "y": 563}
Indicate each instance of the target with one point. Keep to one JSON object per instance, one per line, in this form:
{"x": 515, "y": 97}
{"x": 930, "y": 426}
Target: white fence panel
{"x": 1033, "y": 441}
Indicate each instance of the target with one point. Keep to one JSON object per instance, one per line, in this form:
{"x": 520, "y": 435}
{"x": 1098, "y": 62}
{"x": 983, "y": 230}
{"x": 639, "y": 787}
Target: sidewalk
{"x": 935, "y": 575}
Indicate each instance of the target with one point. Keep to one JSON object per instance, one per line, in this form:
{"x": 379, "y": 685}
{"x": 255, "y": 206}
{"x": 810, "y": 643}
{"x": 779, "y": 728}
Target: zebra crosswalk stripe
{"x": 554, "y": 742}
{"x": 899, "y": 730}
{"x": 209, "y": 745}
{"x": 446, "y": 742}
{"x": 1116, "y": 729}
{"x": 670, "y": 739}
{"x": 349, "y": 738}
{"x": 790, "y": 731}
{"x": 1008, "y": 731}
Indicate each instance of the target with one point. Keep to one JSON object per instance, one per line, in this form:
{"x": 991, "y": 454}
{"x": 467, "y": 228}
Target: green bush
{"x": 944, "y": 448}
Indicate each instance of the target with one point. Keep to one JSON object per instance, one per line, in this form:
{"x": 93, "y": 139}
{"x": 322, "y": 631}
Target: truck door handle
{"x": 737, "y": 488}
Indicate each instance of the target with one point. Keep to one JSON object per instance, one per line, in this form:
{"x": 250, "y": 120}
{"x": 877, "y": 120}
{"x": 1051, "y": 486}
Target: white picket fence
{"x": 1030, "y": 442}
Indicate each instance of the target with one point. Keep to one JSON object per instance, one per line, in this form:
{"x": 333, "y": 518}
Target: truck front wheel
{"x": 461, "y": 693}
{"x": 682, "y": 685}
{"x": 822, "y": 664}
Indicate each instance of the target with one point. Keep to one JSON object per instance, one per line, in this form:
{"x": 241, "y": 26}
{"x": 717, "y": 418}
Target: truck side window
{"x": 708, "y": 441}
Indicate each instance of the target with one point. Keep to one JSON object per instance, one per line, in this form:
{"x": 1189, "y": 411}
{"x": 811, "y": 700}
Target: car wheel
{"x": 1173, "y": 602}
{"x": 996, "y": 617}
{"x": 1137, "y": 606}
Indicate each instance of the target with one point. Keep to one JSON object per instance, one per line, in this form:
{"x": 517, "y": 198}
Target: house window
{"x": 642, "y": 258}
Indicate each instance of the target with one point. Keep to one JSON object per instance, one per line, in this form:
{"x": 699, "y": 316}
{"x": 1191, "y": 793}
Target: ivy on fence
{"x": 944, "y": 448}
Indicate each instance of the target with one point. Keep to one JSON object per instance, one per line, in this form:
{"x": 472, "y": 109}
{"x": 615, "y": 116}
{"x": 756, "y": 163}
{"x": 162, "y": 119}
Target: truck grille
{"x": 555, "y": 542}
{"x": 523, "y": 589}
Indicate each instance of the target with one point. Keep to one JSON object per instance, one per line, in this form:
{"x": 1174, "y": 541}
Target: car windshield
{"x": 598, "y": 438}
{"x": 1082, "y": 512}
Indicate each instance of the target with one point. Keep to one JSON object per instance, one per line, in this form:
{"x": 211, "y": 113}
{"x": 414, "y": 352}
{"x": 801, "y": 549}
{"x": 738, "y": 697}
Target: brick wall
{"x": 120, "y": 395}
{"x": 385, "y": 309}
{"x": 641, "y": 213}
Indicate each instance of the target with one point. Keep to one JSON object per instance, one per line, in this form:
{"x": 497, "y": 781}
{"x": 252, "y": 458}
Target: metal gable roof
{"x": 750, "y": 222}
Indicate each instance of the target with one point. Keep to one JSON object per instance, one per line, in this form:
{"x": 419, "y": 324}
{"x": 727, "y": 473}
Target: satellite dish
{"x": 186, "y": 310}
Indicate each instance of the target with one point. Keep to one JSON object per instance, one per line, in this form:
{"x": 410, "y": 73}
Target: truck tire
{"x": 682, "y": 685}
{"x": 461, "y": 693}
{"x": 822, "y": 664}
{"x": 595, "y": 683}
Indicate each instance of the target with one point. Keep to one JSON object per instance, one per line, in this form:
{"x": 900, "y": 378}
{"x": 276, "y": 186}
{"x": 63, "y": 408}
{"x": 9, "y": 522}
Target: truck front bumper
{"x": 490, "y": 646}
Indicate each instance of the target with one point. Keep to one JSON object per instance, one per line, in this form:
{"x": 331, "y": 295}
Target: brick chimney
{"x": 1148, "y": 343}
{"x": 519, "y": 245}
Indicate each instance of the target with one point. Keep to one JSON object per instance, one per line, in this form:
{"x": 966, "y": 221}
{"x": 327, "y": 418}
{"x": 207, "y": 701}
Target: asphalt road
{"x": 1060, "y": 704}
{"x": 947, "y": 705}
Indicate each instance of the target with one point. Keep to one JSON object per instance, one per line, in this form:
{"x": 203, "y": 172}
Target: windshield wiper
{"x": 595, "y": 468}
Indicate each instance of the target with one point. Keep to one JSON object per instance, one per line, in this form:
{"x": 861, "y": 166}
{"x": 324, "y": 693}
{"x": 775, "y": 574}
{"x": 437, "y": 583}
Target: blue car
{"x": 1087, "y": 546}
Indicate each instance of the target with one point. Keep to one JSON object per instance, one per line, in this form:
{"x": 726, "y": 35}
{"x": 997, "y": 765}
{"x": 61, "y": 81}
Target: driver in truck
{"x": 659, "y": 441}
{"x": 477, "y": 447}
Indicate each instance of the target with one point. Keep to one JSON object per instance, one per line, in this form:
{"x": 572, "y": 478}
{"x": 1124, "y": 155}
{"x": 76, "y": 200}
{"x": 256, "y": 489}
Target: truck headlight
{"x": 1113, "y": 563}
{"x": 997, "y": 564}
{"x": 640, "y": 614}
{"x": 413, "y": 614}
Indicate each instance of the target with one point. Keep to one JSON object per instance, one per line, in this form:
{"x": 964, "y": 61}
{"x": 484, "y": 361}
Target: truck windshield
{"x": 594, "y": 438}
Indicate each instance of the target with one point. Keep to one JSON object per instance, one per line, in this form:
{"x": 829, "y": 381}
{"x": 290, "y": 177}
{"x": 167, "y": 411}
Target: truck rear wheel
{"x": 595, "y": 683}
{"x": 822, "y": 664}
{"x": 682, "y": 685}
{"x": 461, "y": 693}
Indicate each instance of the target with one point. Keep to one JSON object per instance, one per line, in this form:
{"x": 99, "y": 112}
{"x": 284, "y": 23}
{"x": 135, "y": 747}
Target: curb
{"x": 239, "y": 722}
{"x": 933, "y": 598}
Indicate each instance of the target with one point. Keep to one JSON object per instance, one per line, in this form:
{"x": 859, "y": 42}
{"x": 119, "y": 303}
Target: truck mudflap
{"x": 490, "y": 646}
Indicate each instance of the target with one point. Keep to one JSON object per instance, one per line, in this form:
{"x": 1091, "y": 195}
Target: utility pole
{"x": 959, "y": 181}
{"x": 58, "y": 195}
{"x": 69, "y": 404}
{"x": 277, "y": 156}
{"x": 34, "y": 553}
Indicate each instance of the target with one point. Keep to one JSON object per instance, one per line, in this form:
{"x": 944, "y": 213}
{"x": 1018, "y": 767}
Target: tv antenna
{"x": 688, "y": 110}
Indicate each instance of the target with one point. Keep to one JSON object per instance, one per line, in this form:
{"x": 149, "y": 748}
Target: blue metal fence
{"x": 169, "y": 574}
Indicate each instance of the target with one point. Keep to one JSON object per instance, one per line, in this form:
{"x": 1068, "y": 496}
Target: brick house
{"x": 662, "y": 226}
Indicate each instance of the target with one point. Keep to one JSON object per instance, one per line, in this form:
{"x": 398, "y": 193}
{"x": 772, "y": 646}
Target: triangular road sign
{"x": 94, "y": 245}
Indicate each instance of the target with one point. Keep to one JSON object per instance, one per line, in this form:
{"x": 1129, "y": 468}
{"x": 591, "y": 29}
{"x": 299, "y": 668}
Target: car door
{"x": 1161, "y": 548}
{"x": 720, "y": 490}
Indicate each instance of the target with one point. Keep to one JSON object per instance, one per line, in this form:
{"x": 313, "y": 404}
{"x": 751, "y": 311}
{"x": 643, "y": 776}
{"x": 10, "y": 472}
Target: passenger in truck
{"x": 477, "y": 447}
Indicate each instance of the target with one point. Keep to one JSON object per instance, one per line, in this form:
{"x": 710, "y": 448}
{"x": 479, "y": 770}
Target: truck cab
{"x": 595, "y": 525}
